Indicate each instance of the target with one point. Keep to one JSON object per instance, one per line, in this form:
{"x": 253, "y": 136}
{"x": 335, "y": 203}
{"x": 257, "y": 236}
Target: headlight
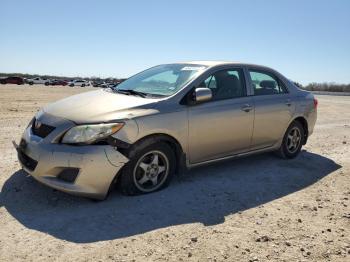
{"x": 88, "y": 134}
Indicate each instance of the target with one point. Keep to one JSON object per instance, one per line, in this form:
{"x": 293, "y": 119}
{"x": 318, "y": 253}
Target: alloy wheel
{"x": 293, "y": 140}
{"x": 151, "y": 171}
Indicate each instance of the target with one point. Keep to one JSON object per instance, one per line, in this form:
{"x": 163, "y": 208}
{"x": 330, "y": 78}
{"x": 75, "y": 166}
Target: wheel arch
{"x": 302, "y": 120}
{"x": 130, "y": 150}
{"x": 161, "y": 137}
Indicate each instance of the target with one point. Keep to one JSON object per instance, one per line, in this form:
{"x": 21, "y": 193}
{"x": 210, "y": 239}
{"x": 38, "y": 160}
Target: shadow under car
{"x": 206, "y": 194}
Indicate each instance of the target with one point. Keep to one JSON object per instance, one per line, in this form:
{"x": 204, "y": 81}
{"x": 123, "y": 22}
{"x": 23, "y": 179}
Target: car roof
{"x": 211, "y": 63}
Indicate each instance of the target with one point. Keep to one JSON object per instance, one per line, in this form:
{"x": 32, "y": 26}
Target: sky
{"x": 307, "y": 41}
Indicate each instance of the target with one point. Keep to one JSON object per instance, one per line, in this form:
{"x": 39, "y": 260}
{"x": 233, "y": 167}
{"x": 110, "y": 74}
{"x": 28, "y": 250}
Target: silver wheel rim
{"x": 293, "y": 140}
{"x": 151, "y": 171}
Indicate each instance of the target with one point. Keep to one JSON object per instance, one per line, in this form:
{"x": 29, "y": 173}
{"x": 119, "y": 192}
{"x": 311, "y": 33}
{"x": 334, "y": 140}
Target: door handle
{"x": 246, "y": 108}
{"x": 288, "y": 102}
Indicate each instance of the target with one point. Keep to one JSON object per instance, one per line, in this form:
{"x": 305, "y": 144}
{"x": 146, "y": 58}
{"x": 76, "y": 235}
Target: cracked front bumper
{"x": 97, "y": 164}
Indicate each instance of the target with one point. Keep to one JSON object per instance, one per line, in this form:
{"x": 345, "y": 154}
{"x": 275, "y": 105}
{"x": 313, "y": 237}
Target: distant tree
{"x": 329, "y": 87}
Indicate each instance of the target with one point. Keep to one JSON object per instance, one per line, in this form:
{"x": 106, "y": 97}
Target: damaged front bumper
{"x": 87, "y": 170}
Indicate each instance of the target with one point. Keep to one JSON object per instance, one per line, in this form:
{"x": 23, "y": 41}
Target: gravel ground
{"x": 259, "y": 208}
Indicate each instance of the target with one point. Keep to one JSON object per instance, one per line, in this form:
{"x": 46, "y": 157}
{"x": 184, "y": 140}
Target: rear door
{"x": 222, "y": 126}
{"x": 274, "y": 108}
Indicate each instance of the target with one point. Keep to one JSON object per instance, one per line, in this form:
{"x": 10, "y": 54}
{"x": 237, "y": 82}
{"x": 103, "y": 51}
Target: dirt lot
{"x": 259, "y": 208}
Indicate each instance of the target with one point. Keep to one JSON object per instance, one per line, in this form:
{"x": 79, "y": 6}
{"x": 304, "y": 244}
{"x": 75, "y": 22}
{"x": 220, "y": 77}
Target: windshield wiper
{"x": 131, "y": 92}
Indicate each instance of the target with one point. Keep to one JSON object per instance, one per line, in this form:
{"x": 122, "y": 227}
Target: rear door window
{"x": 266, "y": 84}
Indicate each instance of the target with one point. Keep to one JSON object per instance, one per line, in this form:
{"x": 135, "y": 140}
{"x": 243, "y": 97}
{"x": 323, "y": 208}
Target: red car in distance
{"x": 12, "y": 80}
{"x": 58, "y": 82}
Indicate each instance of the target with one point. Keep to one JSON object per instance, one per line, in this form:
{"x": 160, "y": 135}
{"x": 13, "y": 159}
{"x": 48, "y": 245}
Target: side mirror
{"x": 202, "y": 94}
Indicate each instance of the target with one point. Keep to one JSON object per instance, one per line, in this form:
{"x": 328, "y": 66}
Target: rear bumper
{"x": 96, "y": 165}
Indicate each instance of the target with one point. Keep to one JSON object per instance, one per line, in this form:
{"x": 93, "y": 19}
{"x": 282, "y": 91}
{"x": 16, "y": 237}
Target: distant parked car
{"x": 12, "y": 80}
{"x": 98, "y": 83}
{"x": 103, "y": 84}
{"x": 81, "y": 83}
{"x": 38, "y": 80}
{"x": 58, "y": 82}
{"x": 108, "y": 85}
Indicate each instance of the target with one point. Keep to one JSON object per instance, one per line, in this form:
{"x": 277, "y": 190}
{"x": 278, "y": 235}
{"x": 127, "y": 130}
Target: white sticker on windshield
{"x": 192, "y": 68}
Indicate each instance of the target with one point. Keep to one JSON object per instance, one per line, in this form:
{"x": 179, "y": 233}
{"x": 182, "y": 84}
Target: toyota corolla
{"x": 164, "y": 119}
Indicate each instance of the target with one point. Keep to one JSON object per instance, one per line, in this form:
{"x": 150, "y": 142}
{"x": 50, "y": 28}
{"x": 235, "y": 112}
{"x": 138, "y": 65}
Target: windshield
{"x": 162, "y": 80}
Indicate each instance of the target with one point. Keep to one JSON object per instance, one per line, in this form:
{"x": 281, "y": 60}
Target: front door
{"x": 222, "y": 126}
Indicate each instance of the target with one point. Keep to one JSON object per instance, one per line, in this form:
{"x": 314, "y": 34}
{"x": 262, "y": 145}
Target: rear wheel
{"x": 292, "y": 141}
{"x": 149, "y": 170}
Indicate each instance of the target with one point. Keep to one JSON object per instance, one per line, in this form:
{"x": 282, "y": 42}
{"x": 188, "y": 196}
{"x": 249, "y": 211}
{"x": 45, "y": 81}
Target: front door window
{"x": 226, "y": 84}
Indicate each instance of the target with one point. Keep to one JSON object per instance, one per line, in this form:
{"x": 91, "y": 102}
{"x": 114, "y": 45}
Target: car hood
{"x": 101, "y": 106}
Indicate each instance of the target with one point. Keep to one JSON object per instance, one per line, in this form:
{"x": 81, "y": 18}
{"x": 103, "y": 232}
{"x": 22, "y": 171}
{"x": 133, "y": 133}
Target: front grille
{"x": 27, "y": 161}
{"x": 40, "y": 129}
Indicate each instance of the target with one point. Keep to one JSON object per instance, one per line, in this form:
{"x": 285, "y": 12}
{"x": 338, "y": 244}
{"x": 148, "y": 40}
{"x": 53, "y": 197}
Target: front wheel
{"x": 149, "y": 170}
{"x": 292, "y": 141}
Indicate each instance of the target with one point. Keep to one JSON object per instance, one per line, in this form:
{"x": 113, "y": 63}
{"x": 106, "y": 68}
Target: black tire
{"x": 83, "y": 85}
{"x": 31, "y": 83}
{"x": 71, "y": 85}
{"x": 128, "y": 181}
{"x": 287, "y": 151}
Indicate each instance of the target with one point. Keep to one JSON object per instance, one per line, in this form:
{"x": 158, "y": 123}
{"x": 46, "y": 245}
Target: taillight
{"x": 315, "y": 102}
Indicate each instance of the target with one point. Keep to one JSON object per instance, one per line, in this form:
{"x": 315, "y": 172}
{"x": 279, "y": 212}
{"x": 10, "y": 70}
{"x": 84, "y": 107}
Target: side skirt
{"x": 248, "y": 153}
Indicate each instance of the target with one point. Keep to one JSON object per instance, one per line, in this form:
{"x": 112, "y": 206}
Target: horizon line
{"x": 94, "y": 76}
